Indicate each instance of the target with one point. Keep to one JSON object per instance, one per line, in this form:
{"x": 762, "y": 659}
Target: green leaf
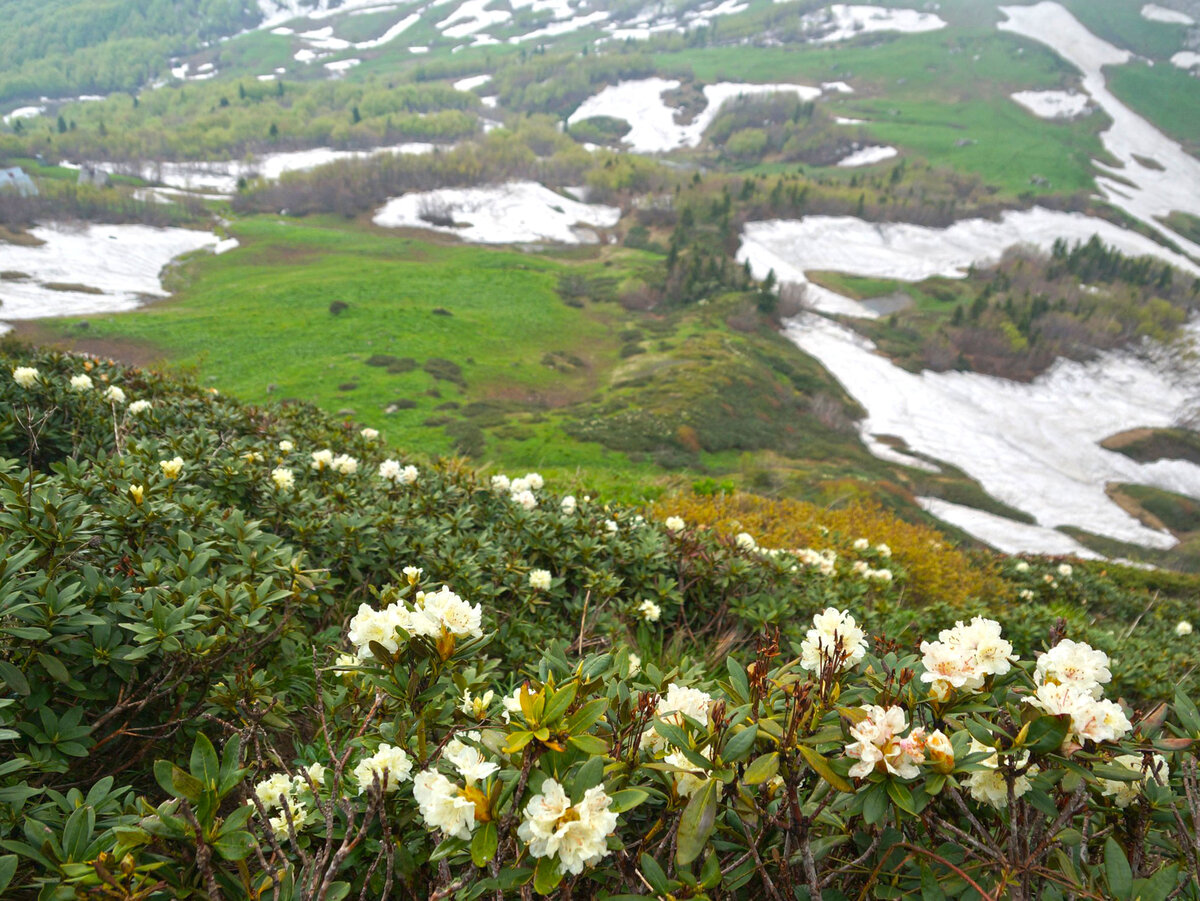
{"x": 740, "y": 745}
{"x": 54, "y": 668}
{"x": 1116, "y": 772}
{"x": 875, "y": 804}
{"x": 558, "y": 705}
{"x": 483, "y": 844}
{"x": 1189, "y": 716}
{"x": 586, "y": 716}
{"x": 1046, "y": 733}
{"x": 627, "y": 799}
{"x": 14, "y": 678}
{"x": 654, "y": 875}
{"x": 589, "y": 744}
{"x": 517, "y": 740}
{"x": 546, "y": 875}
{"x": 204, "y": 764}
{"x": 901, "y": 796}
{"x": 235, "y": 844}
{"x": 1117, "y": 871}
{"x": 697, "y": 823}
{"x": 8, "y": 868}
{"x": 824, "y": 770}
{"x": 338, "y": 891}
{"x": 590, "y": 775}
{"x": 762, "y": 769}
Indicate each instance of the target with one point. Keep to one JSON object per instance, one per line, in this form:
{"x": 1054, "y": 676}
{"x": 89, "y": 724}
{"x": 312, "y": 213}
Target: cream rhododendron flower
{"x": 649, "y": 611}
{"x": 1092, "y": 718}
{"x": 1125, "y": 793}
{"x": 883, "y": 550}
{"x": 675, "y": 524}
{"x": 989, "y": 786}
{"x": 691, "y": 777}
{"x": 745, "y": 541}
{"x": 833, "y": 632}
{"x": 137, "y": 492}
{"x": 964, "y": 656}
{"x": 878, "y": 744}
{"x": 283, "y": 478}
{"x": 25, "y": 376}
{"x": 468, "y": 760}
{"x": 273, "y": 789}
{"x": 476, "y": 707}
{"x": 1074, "y": 663}
{"x": 1182, "y": 628}
{"x": 380, "y": 626}
{"x": 172, "y": 468}
{"x": 525, "y": 499}
{"x": 568, "y": 504}
{"x": 370, "y": 434}
{"x": 576, "y": 834}
{"x": 322, "y": 460}
{"x": 444, "y": 612}
{"x": 295, "y": 812}
{"x": 344, "y": 464}
{"x": 861, "y": 544}
{"x": 501, "y": 483}
{"x": 443, "y": 804}
{"x": 286, "y": 446}
{"x": 390, "y": 765}
{"x": 139, "y": 406}
{"x": 540, "y": 579}
{"x": 113, "y": 394}
{"x": 940, "y": 752}
{"x": 678, "y": 700}
{"x": 81, "y": 382}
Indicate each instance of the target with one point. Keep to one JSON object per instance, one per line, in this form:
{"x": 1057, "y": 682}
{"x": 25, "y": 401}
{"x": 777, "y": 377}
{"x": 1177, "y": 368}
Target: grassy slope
{"x": 927, "y": 92}
{"x": 1164, "y": 94}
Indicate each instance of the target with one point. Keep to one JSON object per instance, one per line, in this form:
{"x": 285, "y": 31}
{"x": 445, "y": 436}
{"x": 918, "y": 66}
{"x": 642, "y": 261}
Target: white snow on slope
{"x": 1004, "y": 534}
{"x": 221, "y": 176}
{"x": 471, "y": 82}
{"x": 1035, "y": 447}
{"x": 1054, "y": 104}
{"x": 1155, "y": 192}
{"x": 868, "y": 156}
{"x": 562, "y": 27}
{"x": 913, "y": 252}
{"x": 654, "y": 129}
{"x": 1156, "y": 13}
{"x": 470, "y": 17}
{"x": 840, "y": 22}
{"x": 1186, "y": 59}
{"x": 515, "y": 212}
{"x": 122, "y": 261}
{"x": 24, "y": 112}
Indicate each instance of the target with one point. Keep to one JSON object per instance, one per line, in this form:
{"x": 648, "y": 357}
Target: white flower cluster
{"x": 322, "y": 460}
{"x": 745, "y": 542}
{"x": 433, "y": 615}
{"x": 834, "y": 633}
{"x": 443, "y": 804}
{"x": 1125, "y": 793}
{"x": 690, "y": 777}
{"x": 569, "y": 505}
{"x": 964, "y": 656}
{"x": 990, "y": 785}
{"x": 678, "y": 702}
{"x": 114, "y": 395}
{"x": 81, "y": 382}
{"x": 290, "y": 795}
{"x": 520, "y": 490}
{"x": 283, "y": 478}
{"x": 649, "y": 611}
{"x": 1070, "y": 681}
{"x": 825, "y": 562}
{"x": 25, "y": 376}
{"x": 139, "y": 406}
{"x": 576, "y": 833}
{"x": 675, "y": 524}
{"x": 172, "y": 468}
{"x": 391, "y": 471}
{"x": 390, "y": 765}
{"x": 540, "y": 579}
{"x": 877, "y": 744}
{"x": 345, "y": 464}
{"x": 864, "y": 570}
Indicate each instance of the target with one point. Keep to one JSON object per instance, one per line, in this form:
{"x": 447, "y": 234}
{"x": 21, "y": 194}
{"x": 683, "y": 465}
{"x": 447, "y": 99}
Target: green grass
{"x": 926, "y": 93}
{"x": 260, "y": 316}
{"x": 1120, "y": 22}
{"x": 1164, "y": 94}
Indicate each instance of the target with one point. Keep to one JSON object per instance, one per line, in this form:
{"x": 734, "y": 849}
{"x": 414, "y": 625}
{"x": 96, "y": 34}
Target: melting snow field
{"x": 845, "y": 22}
{"x": 1143, "y": 192}
{"x": 122, "y": 262}
{"x": 1054, "y": 104}
{"x": 1035, "y": 447}
{"x": 654, "y": 129}
{"x": 516, "y": 212}
{"x": 1186, "y": 59}
{"x": 221, "y": 177}
{"x": 914, "y": 252}
{"x": 868, "y": 156}
{"x": 1156, "y": 13}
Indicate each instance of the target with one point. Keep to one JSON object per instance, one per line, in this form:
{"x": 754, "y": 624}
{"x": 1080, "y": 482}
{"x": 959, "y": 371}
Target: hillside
{"x": 181, "y": 571}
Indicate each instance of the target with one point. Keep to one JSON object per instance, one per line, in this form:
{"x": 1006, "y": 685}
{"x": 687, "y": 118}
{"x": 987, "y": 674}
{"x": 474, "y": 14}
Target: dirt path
{"x": 123, "y": 350}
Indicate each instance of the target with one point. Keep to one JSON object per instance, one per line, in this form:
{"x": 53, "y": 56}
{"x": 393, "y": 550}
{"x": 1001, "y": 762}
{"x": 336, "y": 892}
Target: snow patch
{"x": 24, "y": 112}
{"x": 515, "y": 212}
{"x": 470, "y": 17}
{"x": 121, "y": 261}
{"x": 841, "y": 22}
{"x": 1054, "y": 104}
{"x": 1156, "y": 13}
{"x": 1004, "y": 534}
{"x": 1186, "y": 59}
{"x": 868, "y": 156}
{"x": 654, "y": 128}
{"x": 471, "y": 82}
